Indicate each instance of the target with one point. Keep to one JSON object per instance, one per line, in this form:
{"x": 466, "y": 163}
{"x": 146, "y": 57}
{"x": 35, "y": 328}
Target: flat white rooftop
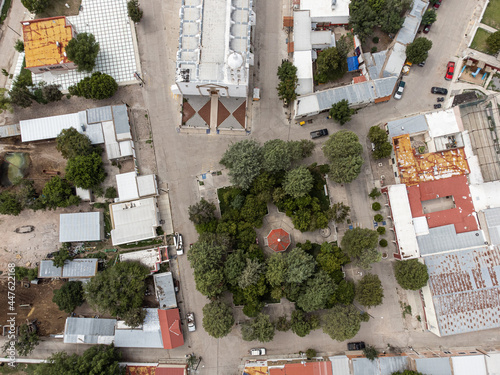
{"x": 150, "y": 258}
{"x": 331, "y": 11}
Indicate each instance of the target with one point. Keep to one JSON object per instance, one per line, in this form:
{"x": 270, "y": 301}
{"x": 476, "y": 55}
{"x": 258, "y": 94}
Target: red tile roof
{"x": 359, "y": 79}
{"x": 462, "y": 216}
{"x": 309, "y": 368}
{"x": 171, "y": 331}
{"x": 278, "y": 240}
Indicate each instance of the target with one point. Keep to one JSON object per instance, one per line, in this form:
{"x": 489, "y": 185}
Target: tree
{"x": 340, "y": 212}
{"x": 310, "y": 353}
{"x": 26, "y": 340}
{"x": 362, "y": 18}
{"x": 276, "y": 270}
{"x": 374, "y": 193}
{"x": 51, "y": 93}
{"x": 391, "y": 21}
{"x": 341, "y": 112}
{"x": 202, "y": 212}
{"x": 217, "y": 319}
{"x": 376, "y": 135}
{"x": 61, "y": 256}
{"x": 429, "y": 17}
{"x": 83, "y": 50}
{"x": 234, "y": 266}
{"x": 19, "y": 46}
{"x": 344, "y": 294}
{"x": 277, "y": 155}
{"x": 58, "y": 193}
{"x": 253, "y": 211}
{"x": 70, "y": 143}
{"x": 86, "y": 171}
{"x": 370, "y": 352}
{"x": 261, "y": 328}
{"x": 20, "y": 96}
{"x": 411, "y": 274}
{"x": 342, "y": 322}
{"x": 244, "y": 160}
{"x": 376, "y": 206}
{"x": 331, "y": 65}
{"x": 110, "y": 193}
{"x": 369, "y": 291}
{"x": 381, "y": 230}
{"x": 283, "y": 324}
{"x": 368, "y": 257}
{"x": 300, "y": 264}
{"x": 98, "y": 86}
{"x": 302, "y": 324}
{"x": 301, "y": 149}
{"x": 134, "y": 12}
{"x": 331, "y": 259}
{"x": 317, "y": 292}
{"x": 35, "y": 6}
{"x": 383, "y": 242}
{"x": 98, "y": 359}
{"x": 356, "y": 241}
{"x": 251, "y": 274}
{"x": 287, "y": 74}
{"x": 382, "y": 151}
{"x": 343, "y": 150}
{"x": 418, "y": 51}
{"x": 119, "y": 291}
{"x": 298, "y": 182}
{"x": 493, "y": 42}
{"x": 69, "y": 297}
{"x": 9, "y": 204}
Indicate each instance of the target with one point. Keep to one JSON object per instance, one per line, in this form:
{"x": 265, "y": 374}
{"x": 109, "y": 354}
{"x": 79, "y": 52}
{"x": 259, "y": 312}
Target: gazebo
{"x": 278, "y": 240}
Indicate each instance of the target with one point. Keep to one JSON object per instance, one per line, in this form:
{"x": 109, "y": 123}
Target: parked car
{"x": 190, "y": 322}
{"x": 450, "y": 69}
{"x": 399, "y": 93}
{"x": 422, "y": 63}
{"x": 50, "y": 255}
{"x": 439, "y": 90}
{"x": 319, "y": 133}
{"x": 427, "y": 28}
{"x": 437, "y": 4}
{"x": 178, "y": 243}
{"x": 258, "y": 351}
{"x": 356, "y": 345}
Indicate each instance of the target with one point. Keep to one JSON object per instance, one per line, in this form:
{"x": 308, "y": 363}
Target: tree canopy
{"x": 331, "y": 258}
{"x": 342, "y": 322}
{"x": 61, "y": 256}
{"x": 134, "y": 12}
{"x": 418, "y": 51}
{"x": 287, "y": 74}
{"x": 119, "y": 291}
{"x": 217, "y": 319}
{"x": 71, "y": 143}
{"x": 316, "y": 293}
{"x": 302, "y": 324}
{"x": 301, "y": 265}
{"x": 86, "y": 171}
{"x": 298, "y": 182}
{"x": 9, "y": 204}
{"x": 277, "y": 268}
{"x": 341, "y": 112}
{"x": 360, "y": 244}
{"x": 35, "y": 6}
{"x": 261, "y": 328}
{"x": 331, "y": 65}
{"x": 277, "y": 155}
{"x": 83, "y": 50}
{"x": 26, "y": 341}
{"x": 429, "y": 17}
{"x": 378, "y": 137}
{"x": 343, "y": 150}
{"x": 58, "y": 193}
{"x": 97, "y": 86}
{"x": 202, "y": 212}
{"x": 69, "y": 296}
{"x": 369, "y": 291}
{"x": 411, "y": 274}
{"x": 493, "y": 42}
{"x": 244, "y": 160}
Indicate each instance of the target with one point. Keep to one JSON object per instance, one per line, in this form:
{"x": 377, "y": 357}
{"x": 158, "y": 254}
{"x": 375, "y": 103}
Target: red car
{"x": 437, "y": 4}
{"x": 450, "y": 71}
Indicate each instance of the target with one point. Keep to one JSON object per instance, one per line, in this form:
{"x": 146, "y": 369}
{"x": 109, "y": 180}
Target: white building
{"x": 214, "y": 47}
{"x": 327, "y": 12}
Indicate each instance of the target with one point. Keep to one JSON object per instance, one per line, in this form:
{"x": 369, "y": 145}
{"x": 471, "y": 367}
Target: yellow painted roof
{"x": 40, "y": 37}
{"x": 414, "y": 168}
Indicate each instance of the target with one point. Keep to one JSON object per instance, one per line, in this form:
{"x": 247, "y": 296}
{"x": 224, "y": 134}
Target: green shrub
{"x": 375, "y": 39}
{"x": 381, "y": 230}
{"x": 374, "y": 49}
{"x": 376, "y": 206}
{"x": 378, "y": 218}
{"x": 383, "y": 242}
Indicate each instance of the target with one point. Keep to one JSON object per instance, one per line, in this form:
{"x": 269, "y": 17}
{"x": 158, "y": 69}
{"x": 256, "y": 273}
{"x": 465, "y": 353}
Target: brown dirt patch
{"x": 383, "y": 43}
{"x": 58, "y": 8}
{"x": 50, "y": 319}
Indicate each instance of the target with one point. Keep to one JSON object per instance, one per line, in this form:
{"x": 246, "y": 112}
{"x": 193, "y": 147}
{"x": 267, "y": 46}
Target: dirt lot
{"x": 143, "y": 140}
{"x": 50, "y": 318}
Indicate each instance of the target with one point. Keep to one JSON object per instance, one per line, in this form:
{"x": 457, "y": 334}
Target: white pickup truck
{"x": 190, "y": 322}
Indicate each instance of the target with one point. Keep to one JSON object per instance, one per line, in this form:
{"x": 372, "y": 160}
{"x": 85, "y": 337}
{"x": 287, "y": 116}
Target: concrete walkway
{"x": 487, "y": 28}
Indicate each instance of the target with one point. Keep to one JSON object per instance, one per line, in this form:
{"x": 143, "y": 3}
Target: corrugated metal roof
{"x": 99, "y": 114}
{"x": 80, "y": 268}
{"x": 127, "y": 186}
{"x": 492, "y": 216}
{"x": 434, "y": 366}
{"x": 396, "y": 60}
{"x": 363, "y": 366}
{"x": 445, "y": 238}
{"x": 95, "y": 134}
{"x": 80, "y": 227}
{"x": 493, "y": 363}
{"x": 147, "y": 185}
{"x": 148, "y": 336}
{"x": 467, "y": 365}
{"x": 388, "y": 365}
{"x": 408, "y": 125}
{"x": 340, "y": 365}
{"x": 89, "y": 331}
{"x": 48, "y": 127}
{"x": 465, "y": 289}
{"x": 48, "y": 270}
{"x": 10, "y": 130}
{"x": 418, "y": 8}
{"x": 164, "y": 289}
{"x": 375, "y": 62}
{"x": 122, "y": 126}
{"x": 407, "y": 33}
{"x": 384, "y": 86}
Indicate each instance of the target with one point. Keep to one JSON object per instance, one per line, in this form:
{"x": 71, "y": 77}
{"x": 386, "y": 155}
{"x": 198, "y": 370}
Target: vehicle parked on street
{"x": 450, "y": 69}
{"x": 427, "y": 28}
{"x": 437, "y": 4}
{"x": 356, "y": 345}
{"x": 399, "y": 93}
{"x": 422, "y": 64}
{"x": 319, "y": 133}
{"x": 439, "y": 90}
{"x": 258, "y": 351}
{"x": 436, "y": 106}
{"x": 190, "y": 322}
{"x": 440, "y": 99}
{"x": 179, "y": 248}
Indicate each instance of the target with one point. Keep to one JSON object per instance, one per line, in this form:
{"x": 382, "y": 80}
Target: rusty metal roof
{"x": 465, "y": 289}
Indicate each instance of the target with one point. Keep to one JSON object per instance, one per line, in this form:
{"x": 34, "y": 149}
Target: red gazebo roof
{"x": 278, "y": 240}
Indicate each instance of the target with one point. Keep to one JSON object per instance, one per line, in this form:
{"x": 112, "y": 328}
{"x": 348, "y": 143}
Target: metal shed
{"x": 164, "y": 290}
{"x": 89, "y": 331}
{"x": 81, "y": 227}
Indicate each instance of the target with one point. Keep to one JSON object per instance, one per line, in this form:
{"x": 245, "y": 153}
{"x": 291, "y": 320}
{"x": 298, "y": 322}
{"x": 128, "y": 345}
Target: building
{"x": 278, "y": 240}
{"x": 89, "y": 331}
{"x": 147, "y": 335}
{"x": 45, "y": 42}
{"x": 81, "y": 227}
{"x": 164, "y": 290}
{"x": 160, "y": 369}
{"x": 72, "y": 269}
{"x": 150, "y": 258}
{"x": 171, "y": 329}
{"x": 131, "y": 186}
{"x": 326, "y": 13}
{"x": 103, "y": 125}
{"x": 214, "y": 54}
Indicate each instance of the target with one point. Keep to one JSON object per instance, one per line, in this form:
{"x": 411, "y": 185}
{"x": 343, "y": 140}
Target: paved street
{"x": 180, "y": 157}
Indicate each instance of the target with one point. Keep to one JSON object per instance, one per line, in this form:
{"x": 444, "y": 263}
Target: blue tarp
{"x": 352, "y": 63}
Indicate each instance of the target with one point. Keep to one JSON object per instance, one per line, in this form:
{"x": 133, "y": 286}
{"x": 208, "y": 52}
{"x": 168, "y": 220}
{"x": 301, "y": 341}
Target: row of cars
{"x": 450, "y": 70}
{"x": 360, "y": 345}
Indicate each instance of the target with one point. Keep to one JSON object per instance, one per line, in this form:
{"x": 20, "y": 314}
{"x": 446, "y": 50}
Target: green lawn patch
{"x": 479, "y": 42}
{"x": 58, "y": 8}
{"x": 491, "y": 16}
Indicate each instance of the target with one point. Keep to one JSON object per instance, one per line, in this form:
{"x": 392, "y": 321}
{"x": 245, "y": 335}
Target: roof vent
{"x": 58, "y": 44}
{"x": 334, "y": 4}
